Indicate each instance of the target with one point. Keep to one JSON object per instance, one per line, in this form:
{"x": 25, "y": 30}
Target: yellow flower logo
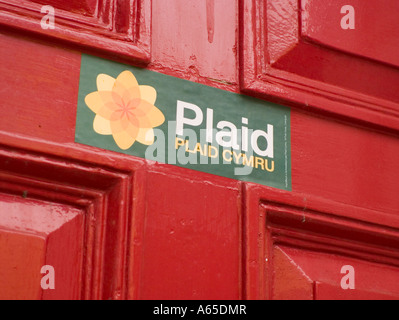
{"x": 125, "y": 110}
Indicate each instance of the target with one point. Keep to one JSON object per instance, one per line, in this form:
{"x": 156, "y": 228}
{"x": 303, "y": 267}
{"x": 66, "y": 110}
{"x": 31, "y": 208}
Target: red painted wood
{"x": 289, "y": 280}
{"x": 119, "y": 28}
{"x": 191, "y": 246}
{"x": 357, "y": 167}
{"x": 374, "y": 36}
{"x": 295, "y": 248}
{"x": 324, "y": 291}
{"x": 21, "y": 271}
{"x": 48, "y": 107}
{"x": 156, "y": 231}
{"x": 207, "y": 54}
{"x": 320, "y": 274}
{"x": 288, "y": 55}
{"x": 33, "y": 234}
{"x": 102, "y": 188}
{"x": 78, "y": 6}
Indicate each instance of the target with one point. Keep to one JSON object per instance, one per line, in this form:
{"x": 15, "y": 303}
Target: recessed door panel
{"x": 35, "y": 234}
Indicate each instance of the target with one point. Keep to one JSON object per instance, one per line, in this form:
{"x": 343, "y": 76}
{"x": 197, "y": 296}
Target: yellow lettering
{"x": 204, "y": 151}
{"x": 210, "y": 149}
{"x": 236, "y": 157}
{"x": 187, "y": 148}
{"x": 224, "y": 155}
{"x": 179, "y": 142}
{"x": 259, "y": 161}
{"x": 247, "y": 162}
{"x": 266, "y": 166}
{"x": 198, "y": 148}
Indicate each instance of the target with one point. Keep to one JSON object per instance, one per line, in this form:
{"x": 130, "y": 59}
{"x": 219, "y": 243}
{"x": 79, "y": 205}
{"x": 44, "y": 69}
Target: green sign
{"x": 158, "y": 117}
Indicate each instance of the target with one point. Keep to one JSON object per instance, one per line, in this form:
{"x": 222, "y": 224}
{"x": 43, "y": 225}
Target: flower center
{"x": 127, "y": 109}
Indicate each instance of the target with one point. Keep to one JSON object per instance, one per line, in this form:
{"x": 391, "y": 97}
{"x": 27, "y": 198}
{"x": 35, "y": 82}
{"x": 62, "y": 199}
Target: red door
{"x": 81, "y": 222}
{"x": 335, "y": 236}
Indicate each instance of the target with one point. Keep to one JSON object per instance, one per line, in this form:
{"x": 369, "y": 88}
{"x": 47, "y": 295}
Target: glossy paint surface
{"x": 34, "y": 234}
{"x": 319, "y": 24}
{"x": 297, "y": 52}
{"x": 136, "y": 229}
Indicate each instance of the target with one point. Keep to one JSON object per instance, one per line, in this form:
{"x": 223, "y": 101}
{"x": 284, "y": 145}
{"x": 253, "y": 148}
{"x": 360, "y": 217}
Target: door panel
{"x": 34, "y": 234}
{"x": 22, "y": 257}
{"x": 303, "y": 274}
{"x": 375, "y": 33}
{"x": 301, "y": 249}
{"x": 112, "y": 27}
{"x": 191, "y": 237}
{"x": 297, "y": 52}
{"x": 79, "y": 208}
{"x": 324, "y": 291}
{"x": 87, "y": 7}
{"x": 38, "y": 116}
{"x": 120, "y": 227}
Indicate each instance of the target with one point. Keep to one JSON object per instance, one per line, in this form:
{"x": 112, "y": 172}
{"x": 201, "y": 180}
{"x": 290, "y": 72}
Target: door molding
{"x": 273, "y": 218}
{"x": 76, "y": 176}
{"x": 111, "y": 27}
{"x": 276, "y": 61}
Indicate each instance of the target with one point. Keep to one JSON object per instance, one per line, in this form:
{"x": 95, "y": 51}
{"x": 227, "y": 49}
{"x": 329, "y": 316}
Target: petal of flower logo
{"x": 125, "y": 110}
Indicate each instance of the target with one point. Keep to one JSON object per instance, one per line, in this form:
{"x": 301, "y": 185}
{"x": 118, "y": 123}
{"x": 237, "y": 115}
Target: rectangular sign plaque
{"x": 170, "y": 120}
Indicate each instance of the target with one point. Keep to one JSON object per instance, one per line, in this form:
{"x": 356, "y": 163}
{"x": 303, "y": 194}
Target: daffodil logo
{"x": 125, "y": 110}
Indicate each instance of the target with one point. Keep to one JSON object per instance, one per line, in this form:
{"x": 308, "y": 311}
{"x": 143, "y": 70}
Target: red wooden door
{"x": 36, "y": 234}
{"x": 335, "y": 236}
{"x": 116, "y": 226}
